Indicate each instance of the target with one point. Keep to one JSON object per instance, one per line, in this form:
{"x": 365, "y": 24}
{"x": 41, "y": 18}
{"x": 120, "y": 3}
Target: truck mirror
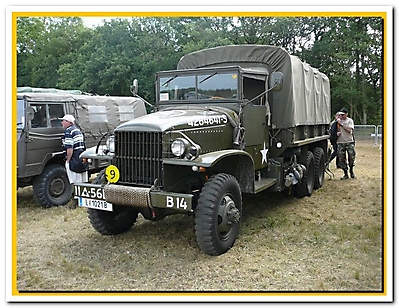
{"x": 276, "y": 81}
{"x": 134, "y": 87}
{"x": 30, "y": 113}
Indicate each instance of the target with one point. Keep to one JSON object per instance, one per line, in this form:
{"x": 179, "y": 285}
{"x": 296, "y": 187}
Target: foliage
{"x": 63, "y": 53}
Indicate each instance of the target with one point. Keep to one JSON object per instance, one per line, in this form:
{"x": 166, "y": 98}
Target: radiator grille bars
{"x": 138, "y": 156}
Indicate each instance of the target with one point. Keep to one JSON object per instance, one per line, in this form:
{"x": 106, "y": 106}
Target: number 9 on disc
{"x": 112, "y": 174}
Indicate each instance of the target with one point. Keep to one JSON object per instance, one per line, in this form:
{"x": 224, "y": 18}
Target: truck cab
{"x": 242, "y": 95}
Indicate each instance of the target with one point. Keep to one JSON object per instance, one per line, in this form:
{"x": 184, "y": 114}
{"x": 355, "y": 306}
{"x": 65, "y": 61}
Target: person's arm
{"x": 69, "y": 152}
{"x": 348, "y": 128}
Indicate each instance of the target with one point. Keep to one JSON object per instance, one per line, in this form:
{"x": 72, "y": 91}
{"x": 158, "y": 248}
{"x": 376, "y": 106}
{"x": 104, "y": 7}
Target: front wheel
{"x": 52, "y": 187}
{"x": 218, "y": 213}
{"x": 120, "y": 220}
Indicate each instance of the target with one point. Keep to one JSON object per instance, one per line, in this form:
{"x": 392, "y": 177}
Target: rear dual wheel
{"x": 319, "y": 162}
{"x": 306, "y": 185}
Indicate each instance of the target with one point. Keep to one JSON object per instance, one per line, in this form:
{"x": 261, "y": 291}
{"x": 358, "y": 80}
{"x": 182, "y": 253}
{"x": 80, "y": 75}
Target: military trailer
{"x": 230, "y": 120}
{"x": 40, "y": 160}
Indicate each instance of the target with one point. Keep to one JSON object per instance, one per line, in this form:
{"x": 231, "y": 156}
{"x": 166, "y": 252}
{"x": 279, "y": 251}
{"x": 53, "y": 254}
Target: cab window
{"x": 47, "y": 115}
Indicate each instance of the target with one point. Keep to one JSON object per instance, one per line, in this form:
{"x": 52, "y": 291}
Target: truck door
{"x": 21, "y": 136}
{"x": 44, "y": 139}
{"x": 255, "y": 117}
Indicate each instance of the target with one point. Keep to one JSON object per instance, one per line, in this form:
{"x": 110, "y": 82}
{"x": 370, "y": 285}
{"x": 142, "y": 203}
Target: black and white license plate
{"x": 92, "y": 196}
{"x": 95, "y": 204}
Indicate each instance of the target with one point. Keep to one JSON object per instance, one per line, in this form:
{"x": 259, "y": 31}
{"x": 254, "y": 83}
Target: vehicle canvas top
{"x": 100, "y": 114}
{"x": 95, "y": 115}
{"x": 305, "y": 99}
{"x": 46, "y": 90}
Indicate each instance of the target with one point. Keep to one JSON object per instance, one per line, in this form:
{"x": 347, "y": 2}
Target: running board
{"x": 263, "y": 184}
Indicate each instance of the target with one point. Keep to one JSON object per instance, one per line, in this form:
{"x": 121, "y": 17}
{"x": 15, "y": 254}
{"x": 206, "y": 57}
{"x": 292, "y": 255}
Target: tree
{"x": 43, "y": 45}
{"x": 63, "y": 53}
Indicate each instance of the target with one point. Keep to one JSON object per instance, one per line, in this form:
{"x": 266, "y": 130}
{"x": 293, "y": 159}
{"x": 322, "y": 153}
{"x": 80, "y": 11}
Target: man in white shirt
{"x": 346, "y": 144}
{"x": 73, "y": 144}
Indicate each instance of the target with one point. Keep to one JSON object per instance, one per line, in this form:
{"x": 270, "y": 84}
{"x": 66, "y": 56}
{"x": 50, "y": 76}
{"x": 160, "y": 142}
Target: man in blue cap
{"x": 346, "y": 144}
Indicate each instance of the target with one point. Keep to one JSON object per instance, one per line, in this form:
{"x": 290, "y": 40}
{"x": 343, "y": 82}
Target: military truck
{"x": 40, "y": 160}
{"x": 230, "y": 120}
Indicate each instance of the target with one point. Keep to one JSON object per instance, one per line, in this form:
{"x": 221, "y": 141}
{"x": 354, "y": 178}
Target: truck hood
{"x": 181, "y": 117}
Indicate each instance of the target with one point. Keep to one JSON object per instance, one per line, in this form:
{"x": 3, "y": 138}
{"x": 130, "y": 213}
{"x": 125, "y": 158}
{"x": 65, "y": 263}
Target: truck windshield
{"x": 199, "y": 87}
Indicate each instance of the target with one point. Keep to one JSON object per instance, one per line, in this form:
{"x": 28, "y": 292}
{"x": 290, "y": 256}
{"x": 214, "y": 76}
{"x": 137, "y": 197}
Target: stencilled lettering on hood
{"x": 208, "y": 120}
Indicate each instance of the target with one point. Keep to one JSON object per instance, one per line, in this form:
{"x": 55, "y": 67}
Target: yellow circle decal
{"x": 112, "y": 174}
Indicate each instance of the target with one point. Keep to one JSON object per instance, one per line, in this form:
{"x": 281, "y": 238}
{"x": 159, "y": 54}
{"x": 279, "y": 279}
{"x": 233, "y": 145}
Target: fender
{"x": 208, "y": 160}
{"x": 97, "y": 158}
{"x": 225, "y": 161}
{"x": 96, "y": 152}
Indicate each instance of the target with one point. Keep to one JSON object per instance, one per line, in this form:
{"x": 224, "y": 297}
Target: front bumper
{"x": 134, "y": 196}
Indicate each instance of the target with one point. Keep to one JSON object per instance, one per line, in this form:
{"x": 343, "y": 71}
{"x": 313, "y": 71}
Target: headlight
{"x": 110, "y": 144}
{"x": 179, "y": 147}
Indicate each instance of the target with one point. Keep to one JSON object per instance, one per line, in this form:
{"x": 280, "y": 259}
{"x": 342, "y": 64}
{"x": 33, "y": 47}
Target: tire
{"x": 120, "y": 220}
{"x": 319, "y": 162}
{"x": 306, "y": 185}
{"x": 218, "y": 213}
{"x": 52, "y": 187}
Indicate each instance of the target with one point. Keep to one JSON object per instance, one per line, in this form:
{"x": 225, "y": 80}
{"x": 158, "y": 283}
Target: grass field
{"x": 331, "y": 241}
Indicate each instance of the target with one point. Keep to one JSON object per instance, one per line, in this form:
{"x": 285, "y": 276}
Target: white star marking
{"x": 264, "y": 153}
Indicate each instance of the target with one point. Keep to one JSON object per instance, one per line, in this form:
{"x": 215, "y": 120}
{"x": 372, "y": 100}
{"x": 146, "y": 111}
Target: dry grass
{"x": 331, "y": 241}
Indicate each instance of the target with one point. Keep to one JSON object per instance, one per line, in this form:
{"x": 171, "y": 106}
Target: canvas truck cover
{"x": 305, "y": 96}
{"x": 95, "y": 115}
{"x": 100, "y": 114}
{"x": 46, "y": 90}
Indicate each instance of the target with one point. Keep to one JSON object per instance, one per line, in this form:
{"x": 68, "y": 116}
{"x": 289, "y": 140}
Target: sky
{"x": 93, "y": 21}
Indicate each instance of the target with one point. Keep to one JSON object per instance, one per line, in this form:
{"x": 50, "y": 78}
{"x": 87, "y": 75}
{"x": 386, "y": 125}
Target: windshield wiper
{"x": 206, "y": 78}
{"x": 169, "y": 80}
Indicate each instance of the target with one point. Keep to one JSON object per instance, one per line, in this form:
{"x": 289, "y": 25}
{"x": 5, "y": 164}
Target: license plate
{"x": 181, "y": 202}
{"x": 92, "y": 196}
{"x": 95, "y": 204}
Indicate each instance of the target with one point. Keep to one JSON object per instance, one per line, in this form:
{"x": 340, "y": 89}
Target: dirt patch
{"x": 331, "y": 241}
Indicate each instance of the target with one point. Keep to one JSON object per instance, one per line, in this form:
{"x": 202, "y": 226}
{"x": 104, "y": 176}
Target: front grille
{"x": 138, "y": 156}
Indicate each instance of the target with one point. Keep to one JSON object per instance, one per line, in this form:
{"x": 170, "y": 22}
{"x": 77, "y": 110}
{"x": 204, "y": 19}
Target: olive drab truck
{"x": 40, "y": 160}
{"x": 230, "y": 120}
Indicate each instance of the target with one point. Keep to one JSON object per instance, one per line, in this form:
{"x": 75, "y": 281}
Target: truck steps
{"x": 263, "y": 184}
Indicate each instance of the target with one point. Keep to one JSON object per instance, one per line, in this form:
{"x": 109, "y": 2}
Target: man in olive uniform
{"x": 346, "y": 144}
